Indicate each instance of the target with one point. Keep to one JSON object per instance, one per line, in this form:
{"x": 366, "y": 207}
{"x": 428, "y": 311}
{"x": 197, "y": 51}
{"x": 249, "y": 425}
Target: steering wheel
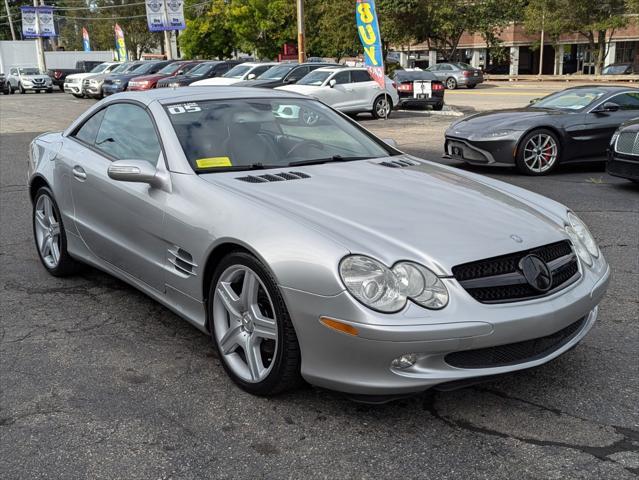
{"x": 308, "y": 143}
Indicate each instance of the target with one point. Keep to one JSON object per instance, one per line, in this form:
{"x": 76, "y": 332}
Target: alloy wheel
{"x": 245, "y": 324}
{"x": 540, "y": 153}
{"x": 382, "y": 107}
{"x": 451, "y": 84}
{"x": 47, "y": 231}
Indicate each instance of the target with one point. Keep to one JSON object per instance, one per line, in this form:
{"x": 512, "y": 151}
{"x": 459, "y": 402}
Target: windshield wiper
{"x": 319, "y": 161}
{"x": 236, "y": 168}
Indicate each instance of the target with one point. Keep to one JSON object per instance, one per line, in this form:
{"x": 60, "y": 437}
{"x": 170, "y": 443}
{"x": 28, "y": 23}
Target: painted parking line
{"x": 475, "y": 92}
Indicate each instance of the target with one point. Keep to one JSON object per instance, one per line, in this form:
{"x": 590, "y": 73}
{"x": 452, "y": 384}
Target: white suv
{"x": 239, "y": 73}
{"x": 28, "y": 77}
{"x": 73, "y": 83}
{"x": 350, "y": 90}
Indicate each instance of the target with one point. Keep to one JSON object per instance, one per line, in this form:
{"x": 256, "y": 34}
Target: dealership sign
{"x": 37, "y": 22}
{"x": 165, "y": 15}
{"x": 368, "y": 31}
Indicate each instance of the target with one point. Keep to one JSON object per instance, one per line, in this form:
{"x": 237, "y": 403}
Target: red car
{"x": 147, "y": 82}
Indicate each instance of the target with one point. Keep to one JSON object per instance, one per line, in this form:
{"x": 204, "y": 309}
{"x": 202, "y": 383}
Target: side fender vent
{"x": 273, "y": 177}
{"x": 182, "y": 261}
{"x": 398, "y": 163}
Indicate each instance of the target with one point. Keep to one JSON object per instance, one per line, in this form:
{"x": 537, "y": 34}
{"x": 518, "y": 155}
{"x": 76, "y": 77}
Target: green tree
{"x": 207, "y": 33}
{"x": 262, "y": 26}
{"x": 330, "y": 29}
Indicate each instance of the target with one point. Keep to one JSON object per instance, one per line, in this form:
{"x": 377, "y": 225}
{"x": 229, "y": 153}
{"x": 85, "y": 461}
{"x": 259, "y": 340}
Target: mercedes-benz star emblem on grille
{"x": 536, "y": 272}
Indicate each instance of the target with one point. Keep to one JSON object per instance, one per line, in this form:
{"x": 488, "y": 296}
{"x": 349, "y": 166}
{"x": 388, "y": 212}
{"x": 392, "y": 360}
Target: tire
{"x": 11, "y": 89}
{"x": 534, "y": 160}
{"x": 61, "y": 87}
{"x": 471, "y": 86}
{"x": 77, "y": 95}
{"x": 21, "y": 88}
{"x": 64, "y": 264}
{"x": 439, "y": 107}
{"x": 451, "y": 83}
{"x": 49, "y": 90}
{"x": 378, "y": 108}
{"x": 230, "y": 319}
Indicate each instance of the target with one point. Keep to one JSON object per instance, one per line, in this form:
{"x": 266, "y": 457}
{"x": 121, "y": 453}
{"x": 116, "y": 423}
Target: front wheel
{"x": 49, "y": 90}
{"x": 451, "y": 83}
{"x": 251, "y": 328}
{"x": 538, "y": 152}
{"x": 50, "y": 236}
{"x": 382, "y": 107}
{"x": 77, "y": 95}
{"x": 438, "y": 107}
{"x": 21, "y": 88}
{"x": 471, "y": 86}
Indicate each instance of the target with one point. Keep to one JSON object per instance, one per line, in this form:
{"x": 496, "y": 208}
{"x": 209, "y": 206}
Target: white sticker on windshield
{"x": 184, "y": 108}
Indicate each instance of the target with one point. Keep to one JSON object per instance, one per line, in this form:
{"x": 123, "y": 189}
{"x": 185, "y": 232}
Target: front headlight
{"x": 93, "y": 82}
{"x": 505, "y": 132}
{"x": 582, "y": 239}
{"x": 117, "y": 82}
{"x": 387, "y": 290}
{"x": 613, "y": 139}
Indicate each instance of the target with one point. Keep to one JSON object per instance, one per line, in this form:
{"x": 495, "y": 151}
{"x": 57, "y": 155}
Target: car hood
{"x": 123, "y": 76}
{"x": 145, "y": 78}
{"x": 259, "y": 83}
{"x": 79, "y": 76}
{"x": 429, "y": 213}
{"x": 216, "y": 81}
{"x": 510, "y": 118}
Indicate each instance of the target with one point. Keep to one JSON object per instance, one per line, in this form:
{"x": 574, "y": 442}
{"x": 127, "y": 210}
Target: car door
{"x": 364, "y": 90}
{"x": 120, "y": 222}
{"x": 340, "y": 96}
{"x": 599, "y": 126}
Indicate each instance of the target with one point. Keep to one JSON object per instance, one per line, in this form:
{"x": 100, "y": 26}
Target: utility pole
{"x": 13, "y": 32}
{"x": 167, "y": 45}
{"x": 42, "y": 64}
{"x": 301, "y": 51}
{"x": 541, "y": 46}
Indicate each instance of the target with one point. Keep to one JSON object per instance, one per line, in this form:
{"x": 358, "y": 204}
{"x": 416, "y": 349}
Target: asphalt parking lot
{"x": 98, "y": 381}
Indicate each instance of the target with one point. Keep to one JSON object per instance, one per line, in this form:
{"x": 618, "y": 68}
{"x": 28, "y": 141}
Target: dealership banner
{"x": 29, "y": 22}
{"x": 86, "y": 43}
{"x": 120, "y": 46}
{"x": 165, "y": 15}
{"x": 45, "y": 21}
{"x": 368, "y": 31}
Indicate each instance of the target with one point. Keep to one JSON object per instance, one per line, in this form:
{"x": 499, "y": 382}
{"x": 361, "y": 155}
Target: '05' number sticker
{"x": 184, "y": 108}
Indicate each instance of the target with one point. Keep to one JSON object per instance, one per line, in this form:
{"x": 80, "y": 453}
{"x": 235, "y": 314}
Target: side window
{"x": 627, "y": 101}
{"x": 358, "y": 76}
{"x": 342, "y": 77}
{"x": 222, "y": 69}
{"x": 298, "y": 73}
{"x": 89, "y": 130}
{"x": 127, "y": 132}
{"x": 257, "y": 71}
{"x": 14, "y": 71}
{"x": 445, "y": 67}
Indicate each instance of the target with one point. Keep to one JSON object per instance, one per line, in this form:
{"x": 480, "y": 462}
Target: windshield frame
{"x": 205, "y": 67}
{"x": 174, "y": 67}
{"x": 567, "y": 91}
{"x": 99, "y": 68}
{"x": 385, "y": 147}
{"x": 245, "y": 69}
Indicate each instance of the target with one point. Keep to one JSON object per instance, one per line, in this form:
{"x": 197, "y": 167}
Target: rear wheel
{"x": 382, "y": 107}
{"x": 471, "y": 86}
{"x": 451, "y": 83}
{"x": 438, "y": 107}
{"x": 50, "y": 236}
{"x": 538, "y": 152}
{"x": 251, "y": 328}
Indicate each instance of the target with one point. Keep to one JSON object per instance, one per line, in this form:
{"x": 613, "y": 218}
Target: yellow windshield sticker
{"x": 213, "y": 162}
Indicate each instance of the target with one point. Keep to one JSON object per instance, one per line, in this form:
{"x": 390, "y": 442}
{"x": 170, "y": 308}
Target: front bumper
{"x": 37, "y": 87}
{"x": 624, "y": 166}
{"x": 410, "y": 100}
{"x": 361, "y": 364}
{"x": 75, "y": 88}
{"x": 112, "y": 89}
{"x": 464, "y": 81}
{"x": 499, "y": 152}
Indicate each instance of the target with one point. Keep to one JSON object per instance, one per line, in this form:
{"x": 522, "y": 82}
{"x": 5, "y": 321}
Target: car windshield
{"x": 170, "y": 68}
{"x": 121, "y": 68}
{"x": 144, "y": 67}
{"x": 134, "y": 67}
{"x": 316, "y": 77}
{"x": 245, "y": 134}
{"x": 238, "y": 71}
{"x": 200, "y": 70}
{"x": 277, "y": 72}
{"x": 572, "y": 99}
{"x": 29, "y": 71}
{"x": 100, "y": 68}
{"x": 615, "y": 69}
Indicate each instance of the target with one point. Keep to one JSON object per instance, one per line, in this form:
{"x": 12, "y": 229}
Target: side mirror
{"x": 251, "y": 76}
{"x": 390, "y": 142}
{"x": 290, "y": 80}
{"x": 534, "y": 100}
{"x": 332, "y": 82}
{"x": 134, "y": 171}
{"x": 607, "y": 107}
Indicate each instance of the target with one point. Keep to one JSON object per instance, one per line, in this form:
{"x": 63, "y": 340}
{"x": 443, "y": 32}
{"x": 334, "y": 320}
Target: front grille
{"x": 461, "y": 150}
{"x": 499, "y": 279}
{"x": 108, "y": 81}
{"x": 515, "y": 353}
{"x": 85, "y": 83}
{"x": 628, "y": 143}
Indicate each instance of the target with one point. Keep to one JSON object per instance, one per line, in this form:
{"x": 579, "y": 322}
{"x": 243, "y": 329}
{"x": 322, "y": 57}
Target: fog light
{"x": 405, "y": 361}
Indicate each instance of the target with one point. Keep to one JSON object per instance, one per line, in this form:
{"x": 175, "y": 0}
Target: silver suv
{"x": 25, "y": 78}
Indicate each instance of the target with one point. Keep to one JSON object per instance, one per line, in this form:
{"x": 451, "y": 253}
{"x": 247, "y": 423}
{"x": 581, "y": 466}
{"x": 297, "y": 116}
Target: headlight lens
{"x": 388, "y": 290}
{"x": 582, "y": 239}
{"x": 505, "y": 132}
{"x": 613, "y": 139}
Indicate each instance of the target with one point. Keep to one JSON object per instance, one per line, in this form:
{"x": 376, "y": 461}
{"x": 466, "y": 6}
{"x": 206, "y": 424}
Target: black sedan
{"x": 573, "y": 125}
{"x": 284, "y": 74}
{"x": 202, "y": 71}
{"x": 623, "y": 154}
{"x": 419, "y": 88}
{"x": 119, "y": 82}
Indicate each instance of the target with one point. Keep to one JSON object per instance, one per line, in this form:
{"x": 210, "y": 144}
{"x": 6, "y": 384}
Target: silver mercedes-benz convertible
{"x": 313, "y": 250}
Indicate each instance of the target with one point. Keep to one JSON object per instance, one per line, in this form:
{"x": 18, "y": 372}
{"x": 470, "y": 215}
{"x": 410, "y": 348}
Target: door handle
{"x": 79, "y": 173}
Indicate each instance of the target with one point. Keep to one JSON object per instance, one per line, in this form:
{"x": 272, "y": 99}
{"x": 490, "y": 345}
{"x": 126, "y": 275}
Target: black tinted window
{"x": 257, "y": 71}
{"x": 342, "y": 77}
{"x": 89, "y": 130}
{"x": 627, "y": 101}
{"x": 360, "y": 76}
{"x": 299, "y": 73}
{"x": 127, "y": 132}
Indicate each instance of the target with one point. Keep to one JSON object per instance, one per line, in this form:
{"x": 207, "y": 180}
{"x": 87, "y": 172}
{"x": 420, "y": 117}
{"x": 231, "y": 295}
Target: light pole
{"x": 42, "y": 64}
{"x": 541, "y": 47}
{"x": 301, "y": 51}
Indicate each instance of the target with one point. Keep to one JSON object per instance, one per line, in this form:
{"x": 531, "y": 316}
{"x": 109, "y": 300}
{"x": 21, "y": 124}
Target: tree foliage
{"x": 207, "y": 33}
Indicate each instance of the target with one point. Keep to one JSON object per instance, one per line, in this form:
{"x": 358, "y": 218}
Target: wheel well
{"x": 36, "y": 184}
{"x": 212, "y": 261}
{"x": 550, "y": 129}
{"x": 388, "y": 99}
